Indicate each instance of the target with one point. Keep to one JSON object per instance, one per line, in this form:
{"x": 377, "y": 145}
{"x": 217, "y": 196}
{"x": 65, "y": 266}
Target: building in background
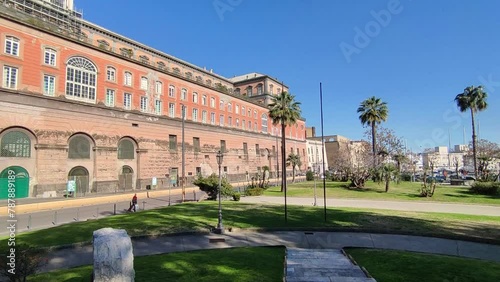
{"x": 83, "y": 104}
{"x": 315, "y": 152}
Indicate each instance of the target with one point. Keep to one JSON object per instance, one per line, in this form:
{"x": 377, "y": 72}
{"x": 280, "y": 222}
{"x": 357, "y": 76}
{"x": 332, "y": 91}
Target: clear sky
{"x": 415, "y": 55}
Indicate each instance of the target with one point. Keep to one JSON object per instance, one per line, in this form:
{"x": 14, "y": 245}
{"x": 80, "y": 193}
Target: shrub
{"x": 210, "y": 186}
{"x": 254, "y": 191}
{"x": 27, "y": 261}
{"x": 236, "y": 197}
{"x": 485, "y": 188}
{"x": 309, "y": 175}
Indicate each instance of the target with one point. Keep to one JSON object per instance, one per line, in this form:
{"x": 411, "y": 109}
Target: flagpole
{"x": 322, "y": 147}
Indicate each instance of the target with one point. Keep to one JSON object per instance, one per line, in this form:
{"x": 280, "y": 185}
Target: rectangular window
{"x": 249, "y": 125}
{"x": 49, "y": 85}
{"x": 144, "y": 83}
{"x": 9, "y": 77}
{"x": 158, "y": 107}
{"x": 243, "y": 113}
{"x": 196, "y": 144}
{"x": 127, "y": 101}
{"x": 110, "y": 97}
{"x": 159, "y": 87}
{"x": 221, "y": 120}
{"x": 245, "y": 150}
{"x": 221, "y": 105}
{"x": 50, "y": 57}
{"x": 204, "y": 116}
{"x": 212, "y": 102}
{"x": 212, "y": 118}
{"x": 183, "y": 94}
{"x": 257, "y": 150}
{"x": 204, "y": 100}
{"x": 237, "y": 109}
{"x": 229, "y": 121}
{"x": 229, "y": 107}
{"x": 12, "y": 46}
{"x": 172, "y": 142}
{"x": 128, "y": 79}
{"x": 223, "y": 146}
{"x": 171, "y": 91}
{"x": 144, "y": 103}
{"x": 111, "y": 74}
{"x": 195, "y": 97}
{"x": 195, "y": 115}
{"x": 171, "y": 110}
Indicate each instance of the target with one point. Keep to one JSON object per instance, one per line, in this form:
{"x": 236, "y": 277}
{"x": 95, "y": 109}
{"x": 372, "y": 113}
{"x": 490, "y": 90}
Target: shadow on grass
{"x": 372, "y": 190}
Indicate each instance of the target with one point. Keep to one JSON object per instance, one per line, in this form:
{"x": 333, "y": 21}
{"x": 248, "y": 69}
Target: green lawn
{"x": 202, "y": 216}
{"x": 388, "y": 266}
{"x": 235, "y": 264}
{"x": 404, "y": 191}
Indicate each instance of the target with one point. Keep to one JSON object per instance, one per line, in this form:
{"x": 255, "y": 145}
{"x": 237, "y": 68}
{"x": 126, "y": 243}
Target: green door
{"x": 18, "y": 179}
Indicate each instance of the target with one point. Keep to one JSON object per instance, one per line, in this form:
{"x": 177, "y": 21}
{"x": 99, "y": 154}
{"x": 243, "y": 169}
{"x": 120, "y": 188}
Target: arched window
{"x": 81, "y": 79}
{"x": 264, "y": 123}
{"x": 16, "y": 144}
{"x": 126, "y": 150}
{"x": 79, "y": 148}
{"x": 249, "y": 91}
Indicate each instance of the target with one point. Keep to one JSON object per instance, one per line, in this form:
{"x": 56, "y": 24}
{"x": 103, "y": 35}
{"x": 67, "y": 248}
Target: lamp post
{"x": 220, "y": 226}
{"x": 183, "y": 112}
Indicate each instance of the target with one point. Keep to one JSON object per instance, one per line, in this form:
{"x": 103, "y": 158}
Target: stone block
{"x": 113, "y": 256}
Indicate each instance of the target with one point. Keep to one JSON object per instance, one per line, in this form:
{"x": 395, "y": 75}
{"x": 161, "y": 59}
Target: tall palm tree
{"x": 473, "y": 99}
{"x": 284, "y": 110}
{"x": 294, "y": 161}
{"x": 372, "y": 112}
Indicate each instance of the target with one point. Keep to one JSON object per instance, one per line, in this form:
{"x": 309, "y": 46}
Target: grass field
{"x": 266, "y": 264}
{"x": 202, "y": 216}
{"x": 236, "y": 264}
{"x": 396, "y": 266}
{"x": 404, "y": 191}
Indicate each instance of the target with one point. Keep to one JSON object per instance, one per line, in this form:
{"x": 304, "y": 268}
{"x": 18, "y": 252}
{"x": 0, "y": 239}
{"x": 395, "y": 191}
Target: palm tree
{"x": 388, "y": 172}
{"x": 473, "y": 99}
{"x": 372, "y": 112}
{"x": 284, "y": 110}
{"x": 293, "y": 160}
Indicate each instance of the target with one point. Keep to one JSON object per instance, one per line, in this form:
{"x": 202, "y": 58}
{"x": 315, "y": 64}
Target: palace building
{"x": 82, "y": 104}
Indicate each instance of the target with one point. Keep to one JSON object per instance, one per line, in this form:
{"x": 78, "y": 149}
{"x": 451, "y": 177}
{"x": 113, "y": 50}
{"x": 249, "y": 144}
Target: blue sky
{"x": 415, "y": 55}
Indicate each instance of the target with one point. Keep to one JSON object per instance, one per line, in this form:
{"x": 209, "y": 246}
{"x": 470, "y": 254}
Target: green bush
{"x": 309, "y": 175}
{"x": 210, "y": 186}
{"x": 485, "y": 188}
{"x": 254, "y": 191}
{"x": 236, "y": 197}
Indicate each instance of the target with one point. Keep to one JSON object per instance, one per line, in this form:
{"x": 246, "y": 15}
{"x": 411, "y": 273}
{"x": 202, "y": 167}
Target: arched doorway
{"x": 17, "y": 179}
{"x": 81, "y": 177}
{"x": 126, "y": 178}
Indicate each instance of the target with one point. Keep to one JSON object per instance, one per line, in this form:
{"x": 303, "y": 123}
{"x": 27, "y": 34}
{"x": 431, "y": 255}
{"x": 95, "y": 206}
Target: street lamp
{"x": 220, "y": 227}
{"x": 183, "y": 112}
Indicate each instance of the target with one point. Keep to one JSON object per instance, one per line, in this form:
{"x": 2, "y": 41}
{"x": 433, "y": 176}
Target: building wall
{"x": 51, "y": 122}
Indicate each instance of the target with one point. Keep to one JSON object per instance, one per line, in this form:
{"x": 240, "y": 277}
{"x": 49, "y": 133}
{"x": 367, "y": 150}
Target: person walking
{"x": 134, "y": 202}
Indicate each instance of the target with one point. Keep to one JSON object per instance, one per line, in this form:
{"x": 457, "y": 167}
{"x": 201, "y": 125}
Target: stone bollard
{"x": 113, "y": 256}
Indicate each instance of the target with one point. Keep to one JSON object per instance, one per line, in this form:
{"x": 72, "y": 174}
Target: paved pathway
{"x": 309, "y": 265}
{"x": 472, "y": 209}
{"x": 77, "y": 256}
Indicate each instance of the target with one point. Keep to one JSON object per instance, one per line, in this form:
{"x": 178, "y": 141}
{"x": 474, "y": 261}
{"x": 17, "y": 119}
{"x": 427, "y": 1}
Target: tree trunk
{"x": 374, "y": 146}
{"x": 283, "y": 160}
{"x": 387, "y": 185}
{"x": 474, "y": 156}
{"x": 293, "y": 174}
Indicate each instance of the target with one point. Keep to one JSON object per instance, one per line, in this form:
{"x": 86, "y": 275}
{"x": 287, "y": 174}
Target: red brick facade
{"x": 52, "y": 121}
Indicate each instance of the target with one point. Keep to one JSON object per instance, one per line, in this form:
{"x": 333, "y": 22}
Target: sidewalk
{"x": 472, "y": 209}
{"x": 77, "y": 256}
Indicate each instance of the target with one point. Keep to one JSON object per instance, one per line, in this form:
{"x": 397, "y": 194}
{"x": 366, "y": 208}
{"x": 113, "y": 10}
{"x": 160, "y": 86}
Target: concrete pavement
{"x": 82, "y": 255}
{"x": 378, "y": 204}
